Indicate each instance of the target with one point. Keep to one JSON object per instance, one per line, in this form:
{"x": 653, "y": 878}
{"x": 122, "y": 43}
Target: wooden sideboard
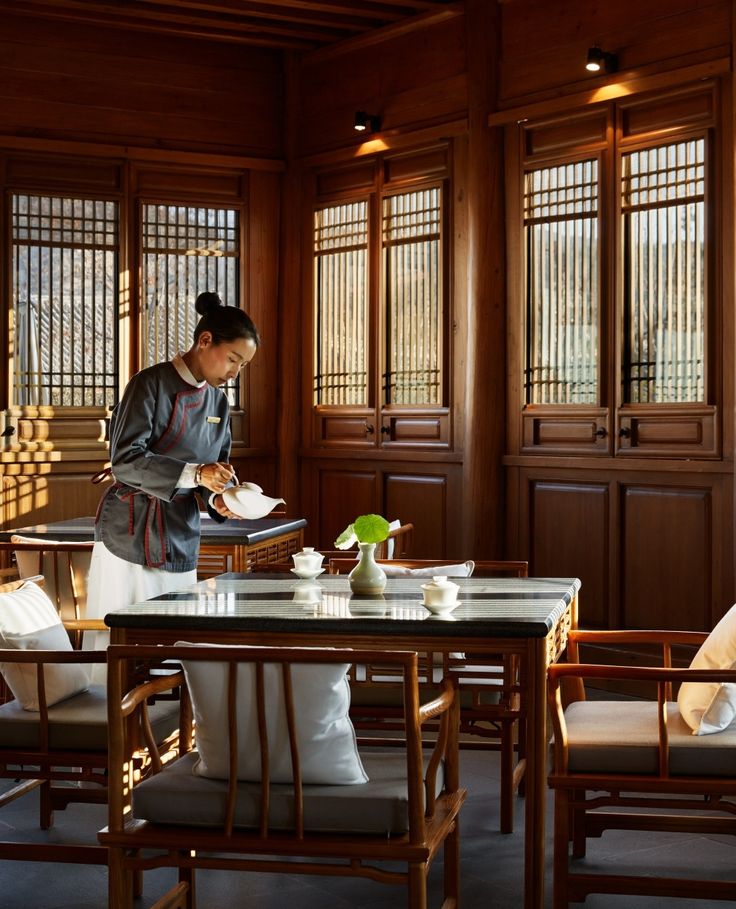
{"x": 231, "y": 546}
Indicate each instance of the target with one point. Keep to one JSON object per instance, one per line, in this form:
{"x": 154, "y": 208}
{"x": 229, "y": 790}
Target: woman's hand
{"x": 215, "y": 477}
{"x": 218, "y": 503}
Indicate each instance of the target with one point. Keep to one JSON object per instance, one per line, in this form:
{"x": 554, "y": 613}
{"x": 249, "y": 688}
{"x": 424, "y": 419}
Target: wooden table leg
{"x": 536, "y": 772}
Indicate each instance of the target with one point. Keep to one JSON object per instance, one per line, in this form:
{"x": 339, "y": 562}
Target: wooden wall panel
{"x": 422, "y": 500}
{"x": 544, "y": 45}
{"x": 666, "y": 566}
{"x": 70, "y": 81}
{"x": 42, "y": 497}
{"x": 344, "y": 493}
{"x": 413, "y": 80}
{"x": 569, "y": 537}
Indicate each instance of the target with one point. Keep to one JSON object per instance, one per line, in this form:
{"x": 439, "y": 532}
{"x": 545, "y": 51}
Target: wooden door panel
{"x": 570, "y": 537}
{"x": 666, "y": 578}
{"x": 342, "y": 428}
{"x": 344, "y": 494}
{"x": 420, "y": 499}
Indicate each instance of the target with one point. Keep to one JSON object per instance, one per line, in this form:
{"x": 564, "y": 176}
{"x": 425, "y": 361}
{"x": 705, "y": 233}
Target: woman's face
{"x": 219, "y": 363}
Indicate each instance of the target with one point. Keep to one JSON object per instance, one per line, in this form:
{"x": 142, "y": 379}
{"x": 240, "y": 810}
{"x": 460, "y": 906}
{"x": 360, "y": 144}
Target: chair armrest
{"x": 85, "y": 625}
{"x": 53, "y": 656}
{"x": 637, "y": 637}
{"x": 446, "y": 748}
{"x": 141, "y": 693}
{"x": 438, "y": 705}
{"x": 638, "y": 673}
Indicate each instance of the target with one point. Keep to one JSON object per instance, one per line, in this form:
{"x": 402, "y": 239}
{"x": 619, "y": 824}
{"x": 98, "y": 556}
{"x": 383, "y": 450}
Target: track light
{"x": 600, "y": 61}
{"x": 364, "y": 121}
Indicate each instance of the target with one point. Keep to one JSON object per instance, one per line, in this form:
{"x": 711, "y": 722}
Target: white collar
{"x": 177, "y": 361}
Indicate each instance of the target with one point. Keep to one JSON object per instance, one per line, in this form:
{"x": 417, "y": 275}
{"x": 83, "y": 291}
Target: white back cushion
{"x": 328, "y": 751}
{"x": 711, "y": 706}
{"x": 460, "y": 570}
{"x": 29, "y": 621}
{"x": 390, "y": 542}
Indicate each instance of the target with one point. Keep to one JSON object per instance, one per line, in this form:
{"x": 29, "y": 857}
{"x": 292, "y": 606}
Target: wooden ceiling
{"x": 300, "y": 25}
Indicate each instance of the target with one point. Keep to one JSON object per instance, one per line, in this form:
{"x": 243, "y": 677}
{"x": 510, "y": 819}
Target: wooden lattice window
{"x": 663, "y": 205}
{"x": 341, "y": 303}
{"x": 65, "y": 300}
{"x": 562, "y": 283}
{"x": 413, "y": 293}
{"x": 186, "y": 249}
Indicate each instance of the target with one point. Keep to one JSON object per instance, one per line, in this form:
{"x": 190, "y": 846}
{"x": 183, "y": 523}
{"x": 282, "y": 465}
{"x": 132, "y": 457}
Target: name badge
{"x": 213, "y": 419}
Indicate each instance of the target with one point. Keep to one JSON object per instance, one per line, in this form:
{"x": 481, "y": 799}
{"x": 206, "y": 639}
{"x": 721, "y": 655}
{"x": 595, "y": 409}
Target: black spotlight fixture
{"x": 600, "y": 61}
{"x": 366, "y": 122}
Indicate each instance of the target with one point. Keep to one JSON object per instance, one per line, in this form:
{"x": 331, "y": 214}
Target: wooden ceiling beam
{"x": 299, "y": 25}
{"x": 350, "y": 24}
{"x": 363, "y": 8}
{"x": 196, "y": 30}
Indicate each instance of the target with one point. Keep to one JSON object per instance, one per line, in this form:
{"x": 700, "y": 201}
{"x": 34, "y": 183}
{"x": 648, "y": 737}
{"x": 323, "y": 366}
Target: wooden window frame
{"x": 380, "y": 425}
{"x": 80, "y": 430}
{"x": 614, "y": 428}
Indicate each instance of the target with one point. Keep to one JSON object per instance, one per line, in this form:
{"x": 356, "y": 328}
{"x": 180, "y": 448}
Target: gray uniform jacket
{"x": 161, "y": 424}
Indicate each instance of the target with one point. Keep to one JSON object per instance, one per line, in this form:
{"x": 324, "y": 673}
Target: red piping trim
{"x": 160, "y": 447}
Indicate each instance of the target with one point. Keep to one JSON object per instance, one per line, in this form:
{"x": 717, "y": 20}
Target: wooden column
{"x": 290, "y": 331}
{"x": 483, "y": 487}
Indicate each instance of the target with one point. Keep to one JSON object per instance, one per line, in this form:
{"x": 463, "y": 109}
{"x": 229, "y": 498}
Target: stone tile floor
{"x": 492, "y": 864}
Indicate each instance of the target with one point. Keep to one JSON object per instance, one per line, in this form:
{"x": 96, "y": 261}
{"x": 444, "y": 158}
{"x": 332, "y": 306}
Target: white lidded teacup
{"x": 440, "y": 594}
{"x": 308, "y": 562}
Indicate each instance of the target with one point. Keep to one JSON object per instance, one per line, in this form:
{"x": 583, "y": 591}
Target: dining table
{"x": 528, "y": 617}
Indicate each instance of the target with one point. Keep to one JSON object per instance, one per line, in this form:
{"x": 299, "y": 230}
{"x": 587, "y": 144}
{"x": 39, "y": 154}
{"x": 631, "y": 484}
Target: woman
{"x": 169, "y": 438}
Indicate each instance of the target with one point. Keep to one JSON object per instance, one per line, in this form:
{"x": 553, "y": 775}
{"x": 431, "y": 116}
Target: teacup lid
{"x": 307, "y": 554}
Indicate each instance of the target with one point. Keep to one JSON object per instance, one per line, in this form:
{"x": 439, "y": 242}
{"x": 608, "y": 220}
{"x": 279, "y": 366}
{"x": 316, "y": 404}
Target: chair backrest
{"x": 493, "y": 568}
{"x": 483, "y": 569}
{"x": 398, "y": 544}
{"x": 227, "y": 661}
{"x": 64, "y": 566}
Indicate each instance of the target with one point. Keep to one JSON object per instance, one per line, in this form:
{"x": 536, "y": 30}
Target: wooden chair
{"x": 61, "y": 749}
{"x": 490, "y": 692}
{"x": 398, "y": 545}
{"x": 65, "y": 567}
{"x": 292, "y": 827}
{"x": 635, "y": 764}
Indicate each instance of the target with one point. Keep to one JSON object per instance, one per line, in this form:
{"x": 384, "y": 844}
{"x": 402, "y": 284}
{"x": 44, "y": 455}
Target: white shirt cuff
{"x": 187, "y": 479}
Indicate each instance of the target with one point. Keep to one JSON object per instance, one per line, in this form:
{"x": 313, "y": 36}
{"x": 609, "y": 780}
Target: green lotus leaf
{"x": 371, "y": 528}
{"x": 347, "y": 538}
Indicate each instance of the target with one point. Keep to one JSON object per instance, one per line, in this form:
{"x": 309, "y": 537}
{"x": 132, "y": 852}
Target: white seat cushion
{"x": 328, "y": 750}
{"x": 29, "y": 621}
{"x": 459, "y": 570}
{"x": 709, "y": 707}
{"x": 622, "y": 737}
{"x": 380, "y": 806}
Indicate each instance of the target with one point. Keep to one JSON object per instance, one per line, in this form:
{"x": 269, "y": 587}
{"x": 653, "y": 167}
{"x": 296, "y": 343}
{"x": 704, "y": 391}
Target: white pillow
{"x": 711, "y": 706}
{"x": 328, "y": 751}
{"x": 391, "y": 542}
{"x": 29, "y": 621}
{"x": 461, "y": 570}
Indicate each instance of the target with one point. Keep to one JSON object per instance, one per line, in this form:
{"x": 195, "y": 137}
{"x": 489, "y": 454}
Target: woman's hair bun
{"x": 207, "y": 301}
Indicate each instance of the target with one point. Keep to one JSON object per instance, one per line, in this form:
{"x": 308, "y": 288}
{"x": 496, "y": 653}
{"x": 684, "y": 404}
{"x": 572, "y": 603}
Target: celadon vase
{"x": 367, "y": 578}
